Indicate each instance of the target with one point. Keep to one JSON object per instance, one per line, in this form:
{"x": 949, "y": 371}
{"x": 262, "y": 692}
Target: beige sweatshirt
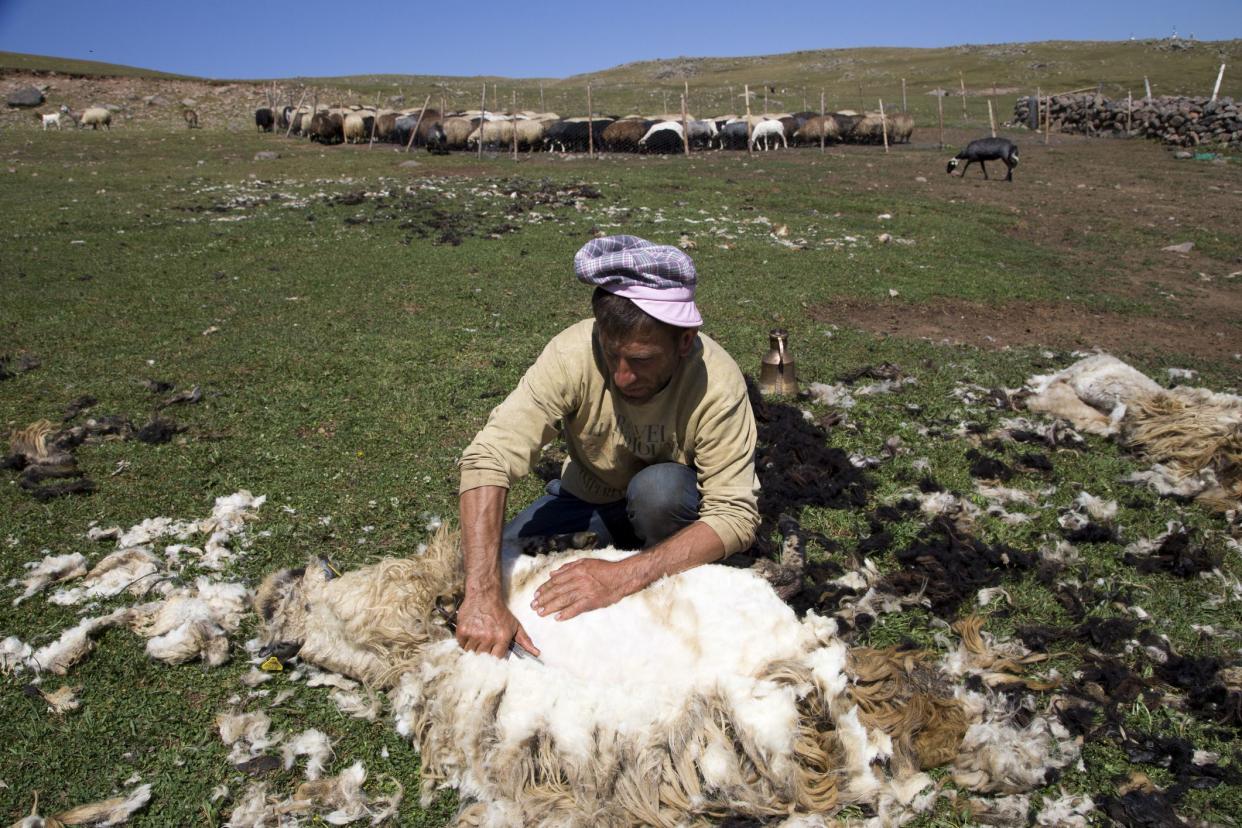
{"x": 702, "y": 419}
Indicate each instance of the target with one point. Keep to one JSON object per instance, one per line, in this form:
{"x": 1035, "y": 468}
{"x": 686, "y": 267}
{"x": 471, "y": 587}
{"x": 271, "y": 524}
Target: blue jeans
{"x": 660, "y": 500}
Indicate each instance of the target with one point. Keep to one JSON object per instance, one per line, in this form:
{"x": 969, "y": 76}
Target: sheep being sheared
{"x": 699, "y": 697}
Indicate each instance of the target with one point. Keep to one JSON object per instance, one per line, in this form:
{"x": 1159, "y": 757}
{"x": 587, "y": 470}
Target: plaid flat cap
{"x": 658, "y": 278}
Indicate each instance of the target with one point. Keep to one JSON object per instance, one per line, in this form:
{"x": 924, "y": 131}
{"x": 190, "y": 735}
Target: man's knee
{"x": 662, "y": 499}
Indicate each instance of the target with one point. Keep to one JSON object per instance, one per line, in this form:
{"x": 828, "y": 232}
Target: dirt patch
{"x": 1049, "y": 324}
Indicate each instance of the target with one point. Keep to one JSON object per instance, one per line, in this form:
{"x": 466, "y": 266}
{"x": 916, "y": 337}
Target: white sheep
{"x": 95, "y": 117}
{"x": 52, "y": 119}
{"x": 703, "y": 694}
{"x": 355, "y": 128}
{"x": 768, "y": 131}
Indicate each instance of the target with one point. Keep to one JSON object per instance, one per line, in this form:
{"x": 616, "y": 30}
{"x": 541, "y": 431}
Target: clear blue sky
{"x": 277, "y": 38}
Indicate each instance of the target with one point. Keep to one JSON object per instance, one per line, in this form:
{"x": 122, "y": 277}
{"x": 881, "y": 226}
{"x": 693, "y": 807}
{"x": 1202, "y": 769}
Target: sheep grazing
{"x": 703, "y": 133}
{"x": 529, "y": 134}
{"x": 624, "y": 135}
{"x": 987, "y": 149}
{"x": 191, "y": 118}
{"x": 94, "y": 117}
{"x": 730, "y": 705}
{"x": 900, "y": 127}
{"x": 327, "y": 127}
{"x": 663, "y": 137}
{"x": 817, "y": 127}
{"x": 355, "y": 128}
{"x": 768, "y": 132}
{"x": 264, "y": 119}
{"x": 456, "y": 132}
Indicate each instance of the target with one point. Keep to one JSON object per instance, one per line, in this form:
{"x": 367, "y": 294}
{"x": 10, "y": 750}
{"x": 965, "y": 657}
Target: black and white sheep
{"x": 987, "y": 149}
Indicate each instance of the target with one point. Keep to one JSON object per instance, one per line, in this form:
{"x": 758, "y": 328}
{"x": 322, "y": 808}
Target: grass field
{"x": 365, "y": 317}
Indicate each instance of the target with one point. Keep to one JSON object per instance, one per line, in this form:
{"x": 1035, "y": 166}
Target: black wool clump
{"x": 1176, "y": 555}
{"x": 1177, "y": 756}
{"x": 987, "y": 468}
{"x": 158, "y": 430}
{"x": 1035, "y": 461}
{"x": 1107, "y": 634}
{"x": 1092, "y": 532}
{"x": 1078, "y": 719}
{"x": 1037, "y": 637}
{"x": 877, "y": 542}
{"x": 1207, "y": 694}
{"x": 797, "y": 467}
{"x": 950, "y": 568}
{"x": 929, "y": 486}
{"x": 1110, "y": 683}
{"x": 1141, "y": 809}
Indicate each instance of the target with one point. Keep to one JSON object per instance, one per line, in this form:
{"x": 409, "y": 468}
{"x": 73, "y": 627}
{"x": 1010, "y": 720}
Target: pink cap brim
{"x": 674, "y": 306}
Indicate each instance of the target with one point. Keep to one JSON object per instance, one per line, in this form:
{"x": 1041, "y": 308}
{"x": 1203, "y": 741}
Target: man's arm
{"x": 589, "y": 583}
{"x": 484, "y": 623}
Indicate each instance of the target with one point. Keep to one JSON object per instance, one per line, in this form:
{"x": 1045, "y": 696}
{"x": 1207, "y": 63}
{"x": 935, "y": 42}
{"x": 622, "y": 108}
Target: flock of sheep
{"x": 532, "y": 131}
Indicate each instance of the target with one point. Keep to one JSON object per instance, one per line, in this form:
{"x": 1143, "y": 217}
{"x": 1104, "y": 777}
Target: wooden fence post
{"x": 1129, "y": 111}
{"x": 962, "y": 79}
{"x": 685, "y": 126}
{"x": 940, "y": 116}
{"x": 1047, "y": 120}
{"x": 1219, "y": 77}
{"x": 374, "y": 121}
{"x": 883, "y": 125}
{"x": 904, "y": 107}
{"x": 421, "y": 112}
{"x": 746, "y": 93}
{"x": 542, "y": 107}
{"x": 823, "y": 119}
{"x": 991, "y": 118}
{"x": 482, "y": 118}
{"x": 513, "y": 118}
{"x": 590, "y": 126}
{"x": 295, "y": 112}
{"x": 1147, "y": 86}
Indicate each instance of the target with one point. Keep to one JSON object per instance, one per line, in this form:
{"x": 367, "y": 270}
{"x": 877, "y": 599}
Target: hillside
{"x": 849, "y": 78}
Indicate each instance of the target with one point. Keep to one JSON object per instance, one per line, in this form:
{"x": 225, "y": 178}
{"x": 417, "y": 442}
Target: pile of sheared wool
{"x": 1193, "y": 436}
{"x": 184, "y": 623}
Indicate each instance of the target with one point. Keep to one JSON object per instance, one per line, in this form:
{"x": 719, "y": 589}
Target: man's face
{"x": 643, "y": 363}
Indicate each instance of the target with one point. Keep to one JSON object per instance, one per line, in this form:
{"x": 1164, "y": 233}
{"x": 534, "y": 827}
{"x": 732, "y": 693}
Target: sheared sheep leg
{"x": 965, "y": 168}
{"x": 985, "y": 170}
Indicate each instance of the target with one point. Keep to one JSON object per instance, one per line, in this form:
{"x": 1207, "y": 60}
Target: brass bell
{"x": 778, "y": 374}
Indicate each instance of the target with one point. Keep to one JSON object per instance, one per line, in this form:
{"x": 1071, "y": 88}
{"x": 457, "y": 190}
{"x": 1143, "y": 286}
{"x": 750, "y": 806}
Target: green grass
{"x": 354, "y": 361}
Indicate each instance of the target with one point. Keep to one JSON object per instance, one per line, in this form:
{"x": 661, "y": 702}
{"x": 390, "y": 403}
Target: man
{"x": 661, "y": 442}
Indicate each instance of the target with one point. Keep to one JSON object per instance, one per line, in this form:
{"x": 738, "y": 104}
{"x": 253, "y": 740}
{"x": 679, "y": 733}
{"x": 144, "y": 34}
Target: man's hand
{"x": 583, "y": 585}
{"x": 487, "y": 626}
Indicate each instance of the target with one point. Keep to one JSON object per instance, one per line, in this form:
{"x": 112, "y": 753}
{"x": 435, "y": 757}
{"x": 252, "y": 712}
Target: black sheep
{"x": 264, "y": 119}
{"x": 987, "y": 149}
